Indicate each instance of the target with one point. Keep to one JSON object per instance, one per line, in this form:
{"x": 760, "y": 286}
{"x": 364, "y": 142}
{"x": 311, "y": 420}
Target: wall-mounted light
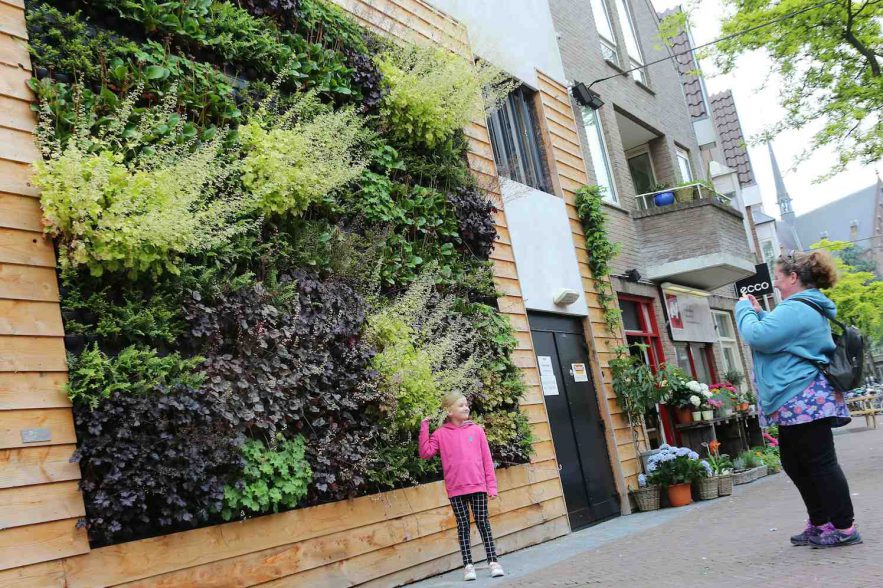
{"x": 585, "y": 96}
{"x": 633, "y": 275}
{"x": 565, "y": 296}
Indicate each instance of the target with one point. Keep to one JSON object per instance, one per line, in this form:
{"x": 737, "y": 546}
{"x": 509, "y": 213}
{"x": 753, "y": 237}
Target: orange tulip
{"x": 714, "y": 446}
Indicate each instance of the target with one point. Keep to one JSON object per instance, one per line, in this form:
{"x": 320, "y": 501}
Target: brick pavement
{"x": 740, "y": 540}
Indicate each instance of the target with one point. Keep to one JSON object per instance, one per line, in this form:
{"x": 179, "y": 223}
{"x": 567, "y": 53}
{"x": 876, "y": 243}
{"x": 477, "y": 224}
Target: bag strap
{"x": 818, "y": 309}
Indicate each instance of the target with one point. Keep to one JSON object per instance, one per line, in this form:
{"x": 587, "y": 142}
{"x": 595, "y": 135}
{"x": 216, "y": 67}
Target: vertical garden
{"x": 273, "y": 258}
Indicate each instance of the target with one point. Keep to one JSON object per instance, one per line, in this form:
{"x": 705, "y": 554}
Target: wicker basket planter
{"x": 743, "y": 477}
{"x": 725, "y": 485}
{"x": 647, "y": 498}
{"x": 707, "y": 488}
{"x": 760, "y": 472}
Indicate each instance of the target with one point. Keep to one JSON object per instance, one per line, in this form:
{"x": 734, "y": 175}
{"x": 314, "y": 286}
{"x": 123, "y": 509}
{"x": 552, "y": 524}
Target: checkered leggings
{"x": 478, "y": 503}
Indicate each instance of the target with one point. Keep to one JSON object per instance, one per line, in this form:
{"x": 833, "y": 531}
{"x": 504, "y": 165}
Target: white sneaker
{"x": 469, "y": 573}
{"x": 496, "y": 570}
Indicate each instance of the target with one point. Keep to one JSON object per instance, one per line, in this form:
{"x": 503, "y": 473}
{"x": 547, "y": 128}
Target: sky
{"x": 759, "y": 108}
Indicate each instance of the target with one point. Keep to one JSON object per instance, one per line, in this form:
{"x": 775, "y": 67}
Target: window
{"x": 626, "y": 22}
{"x": 598, "y": 152}
{"x": 696, "y": 360}
{"x": 684, "y": 165}
{"x": 726, "y": 336}
{"x": 641, "y": 168}
{"x": 768, "y": 251}
{"x": 639, "y": 322}
{"x": 513, "y": 130}
{"x": 605, "y": 30}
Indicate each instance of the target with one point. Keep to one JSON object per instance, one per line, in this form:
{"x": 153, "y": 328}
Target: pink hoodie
{"x": 465, "y": 455}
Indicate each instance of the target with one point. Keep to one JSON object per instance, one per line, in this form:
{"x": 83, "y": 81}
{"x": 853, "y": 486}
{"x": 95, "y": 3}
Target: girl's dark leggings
{"x": 478, "y": 503}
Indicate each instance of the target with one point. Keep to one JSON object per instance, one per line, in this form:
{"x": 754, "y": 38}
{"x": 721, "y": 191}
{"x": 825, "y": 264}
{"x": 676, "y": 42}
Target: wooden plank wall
{"x": 382, "y": 540}
{"x": 564, "y": 151}
{"x": 39, "y": 499}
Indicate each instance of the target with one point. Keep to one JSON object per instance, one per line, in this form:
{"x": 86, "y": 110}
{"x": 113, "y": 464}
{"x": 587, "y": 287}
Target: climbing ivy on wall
{"x": 601, "y": 251}
{"x": 243, "y": 196}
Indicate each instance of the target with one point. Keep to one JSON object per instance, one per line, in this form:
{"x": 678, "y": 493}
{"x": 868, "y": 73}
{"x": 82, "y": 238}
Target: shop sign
{"x": 758, "y": 285}
{"x": 689, "y": 317}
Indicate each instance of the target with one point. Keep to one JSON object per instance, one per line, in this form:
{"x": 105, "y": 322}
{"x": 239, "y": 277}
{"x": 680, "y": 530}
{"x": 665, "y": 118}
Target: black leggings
{"x": 478, "y": 503}
{"x": 809, "y": 459}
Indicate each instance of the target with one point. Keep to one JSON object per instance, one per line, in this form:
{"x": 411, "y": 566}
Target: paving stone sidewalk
{"x": 740, "y": 540}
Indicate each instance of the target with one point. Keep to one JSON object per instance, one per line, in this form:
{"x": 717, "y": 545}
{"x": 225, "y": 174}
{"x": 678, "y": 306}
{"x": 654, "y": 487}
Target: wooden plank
{"x": 535, "y": 413}
{"x": 128, "y": 562}
{"x": 59, "y": 421}
{"x": 393, "y": 559}
{"x": 37, "y": 465}
{"x": 12, "y": 21}
{"x": 16, "y": 145}
{"x": 32, "y": 390}
{"x": 41, "y": 575}
{"x": 32, "y": 354}
{"x": 508, "y": 286}
{"x": 15, "y": 178}
{"x": 541, "y": 431}
{"x": 16, "y": 114}
{"x": 13, "y": 83}
{"x": 19, "y": 317}
{"x": 14, "y": 52}
{"x": 263, "y": 566}
{"x": 22, "y": 282}
{"x": 21, "y": 546}
{"x": 37, "y": 504}
{"x": 20, "y": 212}
{"x": 26, "y": 248}
{"x": 543, "y": 452}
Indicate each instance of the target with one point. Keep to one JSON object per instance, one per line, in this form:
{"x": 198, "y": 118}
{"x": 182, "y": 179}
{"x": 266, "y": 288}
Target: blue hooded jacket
{"x": 787, "y": 344}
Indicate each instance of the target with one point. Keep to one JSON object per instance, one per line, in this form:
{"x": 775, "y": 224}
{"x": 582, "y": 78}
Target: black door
{"x": 575, "y": 419}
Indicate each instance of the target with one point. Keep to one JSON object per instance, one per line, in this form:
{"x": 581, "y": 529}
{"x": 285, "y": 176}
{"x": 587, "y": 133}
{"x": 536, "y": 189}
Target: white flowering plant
{"x": 676, "y": 465}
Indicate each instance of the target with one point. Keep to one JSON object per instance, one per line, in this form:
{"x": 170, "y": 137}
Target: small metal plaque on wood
{"x": 35, "y": 435}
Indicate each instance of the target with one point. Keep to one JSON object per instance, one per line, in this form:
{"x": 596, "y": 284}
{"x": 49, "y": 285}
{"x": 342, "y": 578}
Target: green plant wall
{"x": 246, "y": 198}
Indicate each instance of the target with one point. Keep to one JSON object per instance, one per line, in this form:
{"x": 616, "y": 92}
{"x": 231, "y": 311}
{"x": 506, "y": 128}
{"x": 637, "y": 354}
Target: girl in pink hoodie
{"x": 469, "y": 475}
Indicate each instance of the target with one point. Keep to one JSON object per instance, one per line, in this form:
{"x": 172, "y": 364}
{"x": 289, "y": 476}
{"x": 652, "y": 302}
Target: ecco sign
{"x": 760, "y": 284}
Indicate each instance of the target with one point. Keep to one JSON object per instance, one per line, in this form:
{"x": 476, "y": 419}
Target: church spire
{"x": 782, "y": 197}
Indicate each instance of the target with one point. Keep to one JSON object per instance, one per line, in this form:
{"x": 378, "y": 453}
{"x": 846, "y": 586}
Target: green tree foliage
{"x": 858, "y": 294}
{"x": 828, "y": 57}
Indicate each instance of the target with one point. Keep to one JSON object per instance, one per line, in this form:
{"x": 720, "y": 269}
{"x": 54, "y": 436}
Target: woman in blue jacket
{"x": 788, "y": 345}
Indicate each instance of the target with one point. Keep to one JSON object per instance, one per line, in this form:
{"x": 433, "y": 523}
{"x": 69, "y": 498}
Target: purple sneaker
{"x": 835, "y": 538}
{"x": 809, "y": 532}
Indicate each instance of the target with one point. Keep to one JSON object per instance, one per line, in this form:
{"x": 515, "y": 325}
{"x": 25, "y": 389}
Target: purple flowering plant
{"x": 676, "y": 465}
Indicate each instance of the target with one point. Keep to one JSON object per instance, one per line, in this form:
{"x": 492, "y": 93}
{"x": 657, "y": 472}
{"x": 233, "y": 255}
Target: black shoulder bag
{"x": 844, "y": 371}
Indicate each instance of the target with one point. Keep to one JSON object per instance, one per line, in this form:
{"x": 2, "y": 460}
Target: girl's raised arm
{"x": 428, "y": 443}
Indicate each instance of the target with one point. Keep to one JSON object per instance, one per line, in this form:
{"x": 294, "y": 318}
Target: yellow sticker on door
{"x": 578, "y": 370}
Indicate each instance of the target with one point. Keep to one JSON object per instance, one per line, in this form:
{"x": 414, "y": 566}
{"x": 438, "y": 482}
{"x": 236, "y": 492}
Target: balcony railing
{"x": 686, "y": 193}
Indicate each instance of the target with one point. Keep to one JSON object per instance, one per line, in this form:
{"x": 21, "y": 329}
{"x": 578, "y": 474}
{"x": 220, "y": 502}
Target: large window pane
{"x": 605, "y": 30}
{"x": 684, "y": 166}
{"x": 641, "y": 169}
{"x": 513, "y": 130}
{"x": 626, "y": 22}
{"x": 630, "y": 319}
{"x": 598, "y": 153}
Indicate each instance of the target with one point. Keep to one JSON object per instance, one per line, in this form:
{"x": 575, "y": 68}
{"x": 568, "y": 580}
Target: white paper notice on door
{"x": 547, "y": 375}
{"x": 579, "y": 372}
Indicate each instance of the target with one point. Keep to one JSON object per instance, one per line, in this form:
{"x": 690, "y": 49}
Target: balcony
{"x": 699, "y": 241}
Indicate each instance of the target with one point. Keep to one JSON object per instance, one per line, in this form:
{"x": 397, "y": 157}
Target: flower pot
{"x": 683, "y": 416}
{"x": 647, "y": 498}
{"x": 680, "y": 495}
{"x": 726, "y": 412}
{"x": 743, "y": 407}
{"x": 707, "y": 488}
{"x": 725, "y": 485}
{"x": 707, "y": 415}
{"x": 664, "y": 199}
{"x": 697, "y": 416}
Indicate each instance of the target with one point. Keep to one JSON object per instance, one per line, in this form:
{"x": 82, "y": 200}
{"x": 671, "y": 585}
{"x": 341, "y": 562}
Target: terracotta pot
{"x": 683, "y": 415}
{"x": 708, "y": 415}
{"x": 680, "y": 494}
{"x": 697, "y": 416}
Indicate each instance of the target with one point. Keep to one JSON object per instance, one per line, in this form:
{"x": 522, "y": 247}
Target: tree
{"x": 858, "y": 294}
{"x": 829, "y": 57}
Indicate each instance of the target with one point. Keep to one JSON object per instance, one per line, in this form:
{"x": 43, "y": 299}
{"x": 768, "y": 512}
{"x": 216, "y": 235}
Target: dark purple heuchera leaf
{"x": 154, "y": 463}
{"x": 295, "y": 366}
{"x": 366, "y": 75}
{"x": 475, "y": 218}
{"x": 285, "y": 12}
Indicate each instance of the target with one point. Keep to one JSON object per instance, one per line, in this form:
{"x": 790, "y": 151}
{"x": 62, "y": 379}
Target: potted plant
{"x": 678, "y": 396}
{"x": 708, "y": 407}
{"x": 676, "y": 468}
{"x": 663, "y": 198}
{"x": 725, "y": 397}
{"x": 734, "y": 377}
{"x": 647, "y": 495}
{"x": 684, "y": 192}
{"x": 721, "y": 466}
